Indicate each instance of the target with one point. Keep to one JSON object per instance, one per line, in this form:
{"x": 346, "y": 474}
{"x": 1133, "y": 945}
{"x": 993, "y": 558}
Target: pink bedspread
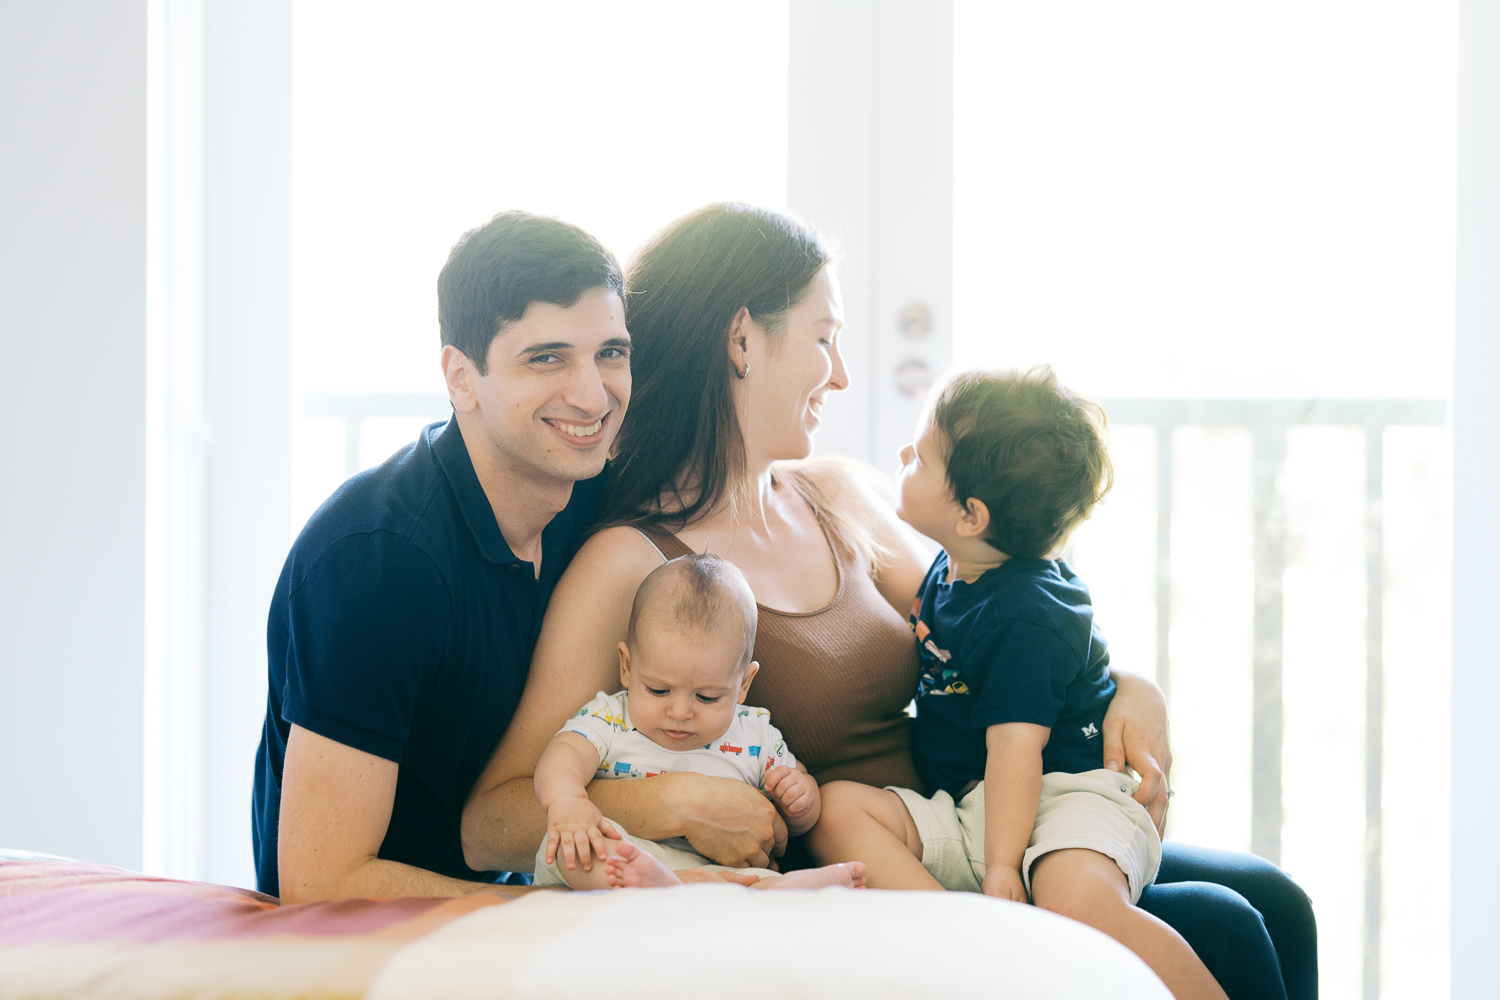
{"x": 73, "y": 929}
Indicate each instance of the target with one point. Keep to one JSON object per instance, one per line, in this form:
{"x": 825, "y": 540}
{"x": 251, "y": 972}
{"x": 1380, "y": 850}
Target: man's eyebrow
{"x": 555, "y": 345}
{"x": 617, "y": 342}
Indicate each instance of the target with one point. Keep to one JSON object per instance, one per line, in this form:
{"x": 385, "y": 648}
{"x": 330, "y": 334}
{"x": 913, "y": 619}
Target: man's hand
{"x": 796, "y": 793}
{"x": 578, "y": 827}
{"x": 727, "y": 820}
{"x": 1136, "y": 736}
{"x": 1004, "y": 882}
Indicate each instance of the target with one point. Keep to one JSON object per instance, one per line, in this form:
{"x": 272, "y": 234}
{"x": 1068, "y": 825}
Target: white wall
{"x": 72, "y": 401}
{"x": 1476, "y": 487}
{"x": 870, "y": 163}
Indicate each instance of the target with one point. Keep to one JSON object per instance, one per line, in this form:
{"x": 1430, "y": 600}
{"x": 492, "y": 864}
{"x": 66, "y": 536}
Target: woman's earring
{"x": 741, "y": 374}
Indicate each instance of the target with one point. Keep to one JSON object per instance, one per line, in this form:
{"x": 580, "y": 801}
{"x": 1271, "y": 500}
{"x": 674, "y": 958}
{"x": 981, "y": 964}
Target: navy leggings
{"x": 1249, "y": 922}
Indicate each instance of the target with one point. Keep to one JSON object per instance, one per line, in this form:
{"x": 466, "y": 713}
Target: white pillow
{"x": 724, "y": 942}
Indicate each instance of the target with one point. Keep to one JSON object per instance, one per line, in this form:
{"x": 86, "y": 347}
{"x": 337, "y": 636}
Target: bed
{"x": 70, "y": 929}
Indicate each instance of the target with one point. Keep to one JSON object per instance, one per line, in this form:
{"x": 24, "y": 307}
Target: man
{"x": 402, "y": 626}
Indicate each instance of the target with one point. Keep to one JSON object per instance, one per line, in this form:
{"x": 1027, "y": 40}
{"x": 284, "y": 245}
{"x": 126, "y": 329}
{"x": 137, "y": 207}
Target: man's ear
{"x": 460, "y": 375}
{"x": 624, "y": 652}
{"x": 750, "y": 672}
{"x": 975, "y": 519}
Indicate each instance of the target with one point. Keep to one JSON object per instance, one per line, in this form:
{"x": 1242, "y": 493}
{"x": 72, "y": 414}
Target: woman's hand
{"x": 1136, "y": 736}
{"x": 726, "y": 820}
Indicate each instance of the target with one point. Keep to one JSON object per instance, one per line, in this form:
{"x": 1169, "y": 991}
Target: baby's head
{"x": 686, "y": 657}
{"x": 1007, "y": 458}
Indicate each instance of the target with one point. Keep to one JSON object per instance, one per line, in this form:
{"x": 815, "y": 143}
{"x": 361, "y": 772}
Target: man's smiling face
{"x": 557, "y": 383}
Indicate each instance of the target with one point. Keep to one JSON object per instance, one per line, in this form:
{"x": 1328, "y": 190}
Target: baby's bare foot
{"x": 633, "y": 868}
{"x": 850, "y": 875}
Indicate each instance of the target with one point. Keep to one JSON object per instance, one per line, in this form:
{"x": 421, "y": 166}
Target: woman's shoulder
{"x": 851, "y": 489}
{"x": 616, "y": 551}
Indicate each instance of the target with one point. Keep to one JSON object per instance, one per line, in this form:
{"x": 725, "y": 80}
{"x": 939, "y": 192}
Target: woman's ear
{"x": 624, "y": 652}
{"x": 750, "y": 672}
{"x": 459, "y": 373}
{"x": 974, "y": 521}
{"x": 739, "y": 338}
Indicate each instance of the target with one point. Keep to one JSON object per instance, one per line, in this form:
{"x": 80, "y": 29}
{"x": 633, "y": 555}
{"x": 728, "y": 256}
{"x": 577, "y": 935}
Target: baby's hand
{"x": 795, "y": 793}
{"x": 577, "y": 826}
{"x": 1004, "y": 882}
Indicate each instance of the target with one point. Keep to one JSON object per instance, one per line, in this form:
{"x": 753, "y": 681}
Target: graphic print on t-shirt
{"x": 938, "y": 675}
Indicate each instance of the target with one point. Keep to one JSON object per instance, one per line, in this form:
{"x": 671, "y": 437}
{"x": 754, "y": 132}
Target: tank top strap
{"x": 667, "y": 545}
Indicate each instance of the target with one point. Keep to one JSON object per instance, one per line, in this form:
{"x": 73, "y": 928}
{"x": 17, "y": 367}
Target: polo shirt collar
{"x": 453, "y": 459}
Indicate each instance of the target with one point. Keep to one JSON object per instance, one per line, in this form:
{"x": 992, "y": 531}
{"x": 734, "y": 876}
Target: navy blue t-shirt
{"x": 1017, "y": 645}
{"x": 403, "y": 626}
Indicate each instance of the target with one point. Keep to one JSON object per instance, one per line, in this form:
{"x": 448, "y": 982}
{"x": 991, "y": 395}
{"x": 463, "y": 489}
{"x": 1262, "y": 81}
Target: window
{"x": 416, "y": 123}
{"x": 1235, "y": 224}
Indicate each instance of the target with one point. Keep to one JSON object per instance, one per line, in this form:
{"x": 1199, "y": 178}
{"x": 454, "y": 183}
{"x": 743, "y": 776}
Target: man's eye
{"x": 614, "y": 353}
{"x": 545, "y": 359}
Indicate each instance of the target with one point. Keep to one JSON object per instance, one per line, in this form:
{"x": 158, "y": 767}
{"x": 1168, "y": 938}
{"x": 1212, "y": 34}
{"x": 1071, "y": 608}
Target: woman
{"x": 735, "y": 317}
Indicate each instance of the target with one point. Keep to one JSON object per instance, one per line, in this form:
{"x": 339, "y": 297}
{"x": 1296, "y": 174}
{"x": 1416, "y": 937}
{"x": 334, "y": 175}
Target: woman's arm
{"x": 575, "y": 657}
{"x": 1136, "y": 734}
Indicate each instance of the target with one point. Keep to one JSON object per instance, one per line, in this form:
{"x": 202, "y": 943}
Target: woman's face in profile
{"x": 788, "y": 384}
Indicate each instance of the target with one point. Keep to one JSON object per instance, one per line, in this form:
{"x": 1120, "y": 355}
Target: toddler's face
{"x": 923, "y": 498}
{"x": 684, "y": 686}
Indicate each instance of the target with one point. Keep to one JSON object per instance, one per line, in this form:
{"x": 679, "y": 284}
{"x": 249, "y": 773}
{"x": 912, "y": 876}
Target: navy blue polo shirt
{"x": 1017, "y": 645}
{"x": 403, "y": 626}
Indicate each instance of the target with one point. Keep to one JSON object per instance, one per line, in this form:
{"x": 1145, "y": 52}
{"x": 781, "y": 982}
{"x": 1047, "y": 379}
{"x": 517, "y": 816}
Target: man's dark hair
{"x": 1030, "y": 450}
{"x": 498, "y": 269}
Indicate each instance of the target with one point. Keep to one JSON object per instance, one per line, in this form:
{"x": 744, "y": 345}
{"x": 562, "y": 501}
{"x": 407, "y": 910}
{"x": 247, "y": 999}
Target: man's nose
{"x": 585, "y": 390}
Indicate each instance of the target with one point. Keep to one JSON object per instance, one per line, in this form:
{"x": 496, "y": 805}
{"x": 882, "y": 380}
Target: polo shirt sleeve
{"x": 1023, "y": 671}
{"x": 370, "y": 623}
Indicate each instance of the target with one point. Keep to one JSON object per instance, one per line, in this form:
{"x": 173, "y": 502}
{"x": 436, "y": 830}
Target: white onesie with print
{"x": 750, "y": 748}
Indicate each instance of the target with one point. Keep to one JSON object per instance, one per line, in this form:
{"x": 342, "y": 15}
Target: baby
{"x": 1015, "y": 681}
{"x": 686, "y": 668}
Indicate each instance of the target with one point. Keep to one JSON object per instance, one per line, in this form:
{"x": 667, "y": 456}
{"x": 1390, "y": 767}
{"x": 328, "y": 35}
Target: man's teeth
{"x": 581, "y": 432}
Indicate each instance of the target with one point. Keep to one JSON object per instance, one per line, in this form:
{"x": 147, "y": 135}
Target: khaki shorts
{"x": 676, "y": 854}
{"x": 1092, "y": 810}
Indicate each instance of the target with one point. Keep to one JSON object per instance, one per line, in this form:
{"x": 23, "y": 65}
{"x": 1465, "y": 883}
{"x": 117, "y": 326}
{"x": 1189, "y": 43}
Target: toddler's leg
{"x": 872, "y": 825}
{"x": 1088, "y": 887}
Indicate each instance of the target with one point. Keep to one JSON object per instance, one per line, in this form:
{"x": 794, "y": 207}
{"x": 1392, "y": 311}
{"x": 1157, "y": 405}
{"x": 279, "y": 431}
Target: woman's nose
{"x": 839, "y": 379}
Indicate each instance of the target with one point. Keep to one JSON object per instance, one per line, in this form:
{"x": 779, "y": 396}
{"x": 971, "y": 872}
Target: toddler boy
{"x": 686, "y": 668}
{"x": 1015, "y": 681}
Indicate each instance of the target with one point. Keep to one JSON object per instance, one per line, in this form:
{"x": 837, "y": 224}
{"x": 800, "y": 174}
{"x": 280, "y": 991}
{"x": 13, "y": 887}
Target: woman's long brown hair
{"x": 680, "y": 452}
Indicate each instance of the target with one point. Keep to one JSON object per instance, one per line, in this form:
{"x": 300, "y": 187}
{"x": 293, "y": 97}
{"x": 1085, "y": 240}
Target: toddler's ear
{"x": 974, "y": 521}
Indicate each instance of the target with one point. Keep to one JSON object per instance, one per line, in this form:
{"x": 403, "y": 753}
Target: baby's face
{"x": 684, "y": 686}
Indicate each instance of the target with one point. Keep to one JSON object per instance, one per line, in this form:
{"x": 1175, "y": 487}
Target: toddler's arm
{"x": 573, "y": 822}
{"x": 1012, "y": 789}
{"x": 795, "y": 793}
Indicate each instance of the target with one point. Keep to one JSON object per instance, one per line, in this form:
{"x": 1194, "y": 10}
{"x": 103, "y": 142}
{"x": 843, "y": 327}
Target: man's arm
{"x": 1012, "y": 789}
{"x": 335, "y": 807}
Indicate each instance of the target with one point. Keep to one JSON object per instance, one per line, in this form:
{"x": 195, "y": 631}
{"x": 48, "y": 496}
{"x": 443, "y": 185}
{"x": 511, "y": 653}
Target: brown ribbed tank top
{"x": 836, "y": 681}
